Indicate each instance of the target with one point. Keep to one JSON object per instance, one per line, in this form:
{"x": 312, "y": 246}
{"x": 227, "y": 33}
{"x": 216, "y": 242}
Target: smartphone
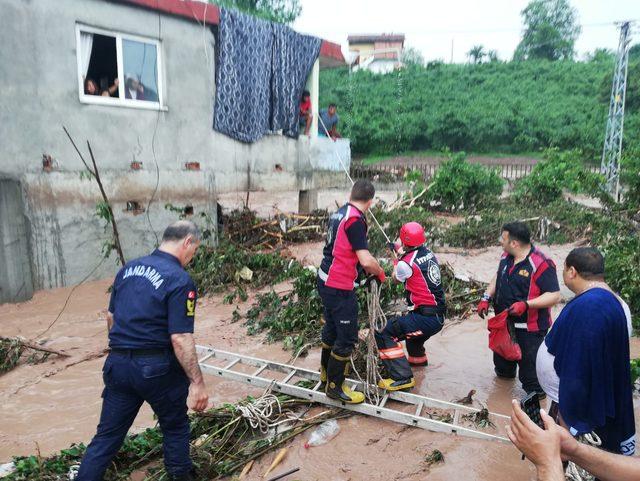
{"x": 531, "y": 406}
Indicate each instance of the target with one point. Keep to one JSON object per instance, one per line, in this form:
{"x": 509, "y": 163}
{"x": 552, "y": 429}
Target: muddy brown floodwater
{"x": 47, "y": 407}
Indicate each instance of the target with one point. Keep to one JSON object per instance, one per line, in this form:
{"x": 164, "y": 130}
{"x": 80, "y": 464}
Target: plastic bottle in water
{"x": 323, "y": 433}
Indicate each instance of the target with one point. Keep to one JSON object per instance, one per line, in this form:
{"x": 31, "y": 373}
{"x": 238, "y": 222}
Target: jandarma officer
{"x": 153, "y": 356}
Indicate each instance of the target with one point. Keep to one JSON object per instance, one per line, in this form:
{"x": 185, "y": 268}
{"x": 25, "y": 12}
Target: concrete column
{"x": 307, "y": 201}
{"x": 16, "y": 282}
{"x": 313, "y": 86}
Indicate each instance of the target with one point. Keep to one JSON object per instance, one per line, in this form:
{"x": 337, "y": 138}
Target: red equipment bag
{"x": 500, "y": 340}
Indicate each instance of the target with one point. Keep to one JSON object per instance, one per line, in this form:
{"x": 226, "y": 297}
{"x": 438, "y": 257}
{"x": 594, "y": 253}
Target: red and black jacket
{"x": 523, "y": 281}
{"x": 423, "y": 289}
{"x": 339, "y": 268}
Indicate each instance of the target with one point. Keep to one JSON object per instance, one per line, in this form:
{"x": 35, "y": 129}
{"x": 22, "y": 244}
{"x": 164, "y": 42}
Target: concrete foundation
{"x": 16, "y": 283}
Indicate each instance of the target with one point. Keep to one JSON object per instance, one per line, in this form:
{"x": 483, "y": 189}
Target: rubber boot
{"x": 392, "y": 385}
{"x": 188, "y": 476}
{"x": 324, "y": 362}
{"x": 336, "y": 387}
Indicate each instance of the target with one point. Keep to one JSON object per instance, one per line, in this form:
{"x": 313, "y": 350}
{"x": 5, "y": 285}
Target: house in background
{"x": 378, "y": 53}
{"x": 151, "y": 133}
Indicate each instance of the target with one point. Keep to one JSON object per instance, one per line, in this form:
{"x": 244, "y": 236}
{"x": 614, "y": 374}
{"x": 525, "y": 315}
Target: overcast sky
{"x": 431, "y": 25}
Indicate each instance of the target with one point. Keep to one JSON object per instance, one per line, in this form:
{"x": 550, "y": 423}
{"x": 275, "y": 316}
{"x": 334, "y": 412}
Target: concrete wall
{"x": 40, "y": 94}
{"x": 68, "y": 238}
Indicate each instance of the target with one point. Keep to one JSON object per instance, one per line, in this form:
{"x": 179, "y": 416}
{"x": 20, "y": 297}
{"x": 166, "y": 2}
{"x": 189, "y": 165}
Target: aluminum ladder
{"x": 418, "y": 414}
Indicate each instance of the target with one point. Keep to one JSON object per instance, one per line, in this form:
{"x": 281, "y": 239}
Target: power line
{"x": 519, "y": 29}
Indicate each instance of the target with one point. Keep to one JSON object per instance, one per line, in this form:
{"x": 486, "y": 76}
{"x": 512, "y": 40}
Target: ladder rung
{"x": 208, "y": 356}
{"x": 419, "y": 408}
{"x": 289, "y": 376}
{"x": 231, "y": 364}
{"x": 260, "y": 369}
{"x": 317, "y": 386}
{"x": 456, "y": 416}
{"x": 383, "y": 401}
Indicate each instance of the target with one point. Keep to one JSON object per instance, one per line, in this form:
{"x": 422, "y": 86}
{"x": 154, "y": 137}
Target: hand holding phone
{"x": 531, "y": 406}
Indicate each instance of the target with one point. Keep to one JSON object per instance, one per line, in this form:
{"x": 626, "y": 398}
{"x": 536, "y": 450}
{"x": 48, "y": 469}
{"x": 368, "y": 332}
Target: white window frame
{"x": 121, "y": 100}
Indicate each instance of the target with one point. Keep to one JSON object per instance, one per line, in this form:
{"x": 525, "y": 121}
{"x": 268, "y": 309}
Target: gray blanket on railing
{"x": 261, "y": 72}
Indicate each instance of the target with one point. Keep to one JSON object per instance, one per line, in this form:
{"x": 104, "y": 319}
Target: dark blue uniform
{"x": 152, "y": 298}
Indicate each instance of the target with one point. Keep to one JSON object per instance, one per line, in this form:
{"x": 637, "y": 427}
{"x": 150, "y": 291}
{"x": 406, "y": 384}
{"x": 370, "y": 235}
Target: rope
{"x": 377, "y": 322}
{"x": 265, "y": 412}
{"x": 575, "y": 472}
{"x": 346, "y": 171}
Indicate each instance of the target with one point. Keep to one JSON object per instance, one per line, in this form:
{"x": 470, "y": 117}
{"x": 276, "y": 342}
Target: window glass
{"x": 140, "y": 65}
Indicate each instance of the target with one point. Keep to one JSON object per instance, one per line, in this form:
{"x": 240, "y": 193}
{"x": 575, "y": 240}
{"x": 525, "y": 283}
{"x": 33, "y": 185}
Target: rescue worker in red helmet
{"x": 345, "y": 255}
{"x": 418, "y": 269}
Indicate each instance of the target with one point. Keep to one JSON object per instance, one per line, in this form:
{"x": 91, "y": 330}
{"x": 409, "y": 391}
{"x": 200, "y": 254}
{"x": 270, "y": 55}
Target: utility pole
{"x": 612, "y": 150}
{"x": 451, "y": 61}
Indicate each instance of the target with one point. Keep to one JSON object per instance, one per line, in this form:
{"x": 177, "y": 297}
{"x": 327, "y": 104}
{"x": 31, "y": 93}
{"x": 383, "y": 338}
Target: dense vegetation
{"x": 539, "y": 199}
{"x": 498, "y": 107}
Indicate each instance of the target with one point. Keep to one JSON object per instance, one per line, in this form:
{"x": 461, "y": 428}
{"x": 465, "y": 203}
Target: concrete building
{"x": 378, "y": 53}
{"x": 154, "y": 146}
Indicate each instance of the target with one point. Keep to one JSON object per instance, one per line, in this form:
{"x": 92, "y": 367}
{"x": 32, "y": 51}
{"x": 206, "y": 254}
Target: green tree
{"x": 550, "y": 31}
{"x": 280, "y": 11}
{"x": 412, "y": 56}
{"x": 601, "y": 55}
{"x": 476, "y": 54}
{"x": 492, "y": 55}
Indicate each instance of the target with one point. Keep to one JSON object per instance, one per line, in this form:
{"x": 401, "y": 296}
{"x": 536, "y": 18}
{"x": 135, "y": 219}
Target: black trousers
{"x": 413, "y": 328}
{"x": 340, "y": 311}
{"x": 529, "y": 344}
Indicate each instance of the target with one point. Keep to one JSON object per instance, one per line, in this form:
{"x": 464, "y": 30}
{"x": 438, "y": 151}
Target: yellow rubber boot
{"x": 336, "y": 387}
{"x": 393, "y": 385}
{"x": 344, "y": 394}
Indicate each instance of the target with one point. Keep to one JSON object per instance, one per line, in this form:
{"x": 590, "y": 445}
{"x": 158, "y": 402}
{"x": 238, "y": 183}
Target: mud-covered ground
{"x": 47, "y": 407}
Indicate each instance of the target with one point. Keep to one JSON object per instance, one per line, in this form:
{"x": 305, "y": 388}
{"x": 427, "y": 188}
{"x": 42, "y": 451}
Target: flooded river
{"x": 47, "y": 407}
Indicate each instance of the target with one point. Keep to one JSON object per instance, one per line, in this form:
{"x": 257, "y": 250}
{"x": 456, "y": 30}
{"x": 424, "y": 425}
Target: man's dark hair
{"x": 587, "y": 261}
{"x": 518, "y": 231}
{"x": 306, "y": 93}
{"x": 179, "y": 230}
{"x": 333, "y": 105}
{"x": 362, "y": 191}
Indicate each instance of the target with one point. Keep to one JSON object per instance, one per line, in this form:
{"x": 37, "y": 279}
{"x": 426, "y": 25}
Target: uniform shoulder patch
{"x": 191, "y": 303}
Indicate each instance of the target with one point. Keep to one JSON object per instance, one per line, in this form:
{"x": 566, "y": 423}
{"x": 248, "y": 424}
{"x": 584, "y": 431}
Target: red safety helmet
{"x": 412, "y": 234}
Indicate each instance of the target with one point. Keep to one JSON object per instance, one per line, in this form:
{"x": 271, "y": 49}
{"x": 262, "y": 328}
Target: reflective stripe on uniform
{"x": 324, "y": 277}
{"x": 340, "y": 358}
{"x": 413, "y": 334}
{"x": 395, "y": 352}
{"x": 417, "y": 359}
